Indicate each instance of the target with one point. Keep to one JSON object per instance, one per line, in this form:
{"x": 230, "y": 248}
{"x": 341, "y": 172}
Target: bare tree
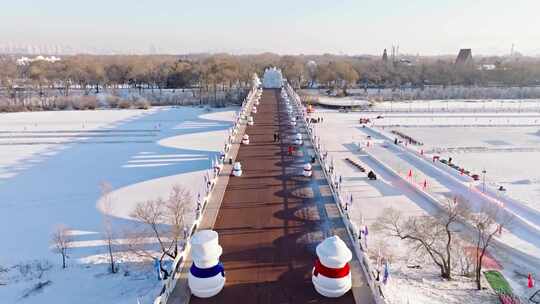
{"x": 176, "y": 207}
{"x": 433, "y": 235}
{"x": 487, "y": 223}
{"x": 108, "y": 231}
{"x": 163, "y": 222}
{"x": 463, "y": 262}
{"x": 61, "y": 242}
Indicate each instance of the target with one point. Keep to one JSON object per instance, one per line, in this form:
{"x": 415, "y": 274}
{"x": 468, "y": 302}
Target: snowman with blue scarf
{"x": 206, "y": 276}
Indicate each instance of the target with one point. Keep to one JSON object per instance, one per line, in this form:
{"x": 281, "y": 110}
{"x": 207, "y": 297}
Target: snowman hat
{"x": 333, "y": 252}
{"x": 205, "y": 245}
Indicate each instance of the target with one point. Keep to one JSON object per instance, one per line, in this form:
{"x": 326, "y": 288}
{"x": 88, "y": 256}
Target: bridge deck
{"x": 271, "y": 219}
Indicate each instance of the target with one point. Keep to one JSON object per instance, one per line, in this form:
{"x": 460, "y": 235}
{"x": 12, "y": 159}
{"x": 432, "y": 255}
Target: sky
{"x": 425, "y": 27}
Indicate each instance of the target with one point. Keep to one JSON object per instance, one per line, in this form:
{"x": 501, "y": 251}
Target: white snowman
{"x": 307, "y": 170}
{"x": 254, "y": 110}
{"x": 298, "y": 139}
{"x": 237, "y": 169}
{"x": 331, "y": 275}
{"x": 250, "y": 120}
{"x": 245, "y": 139}
{"x": 293, "y": 121}
{"x": 206, "y": 276}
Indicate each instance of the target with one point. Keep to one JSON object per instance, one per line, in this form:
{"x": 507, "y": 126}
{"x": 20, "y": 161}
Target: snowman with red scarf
{"x": 331, "y": 275}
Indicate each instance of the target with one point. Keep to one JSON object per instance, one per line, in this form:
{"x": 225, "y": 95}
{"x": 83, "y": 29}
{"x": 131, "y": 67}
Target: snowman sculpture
{"x": 293, "y": 121}
{"x": 245, "y": 139}
{"x": 237, "y": 169}
{"x": 298, "y": 139}
{"x": 331, "y": 275}
{"x": 307, "y": 170}
{"x": 250, "y": 120}
{"x": 206, "y": 276}
{"x": 254, "y": 110}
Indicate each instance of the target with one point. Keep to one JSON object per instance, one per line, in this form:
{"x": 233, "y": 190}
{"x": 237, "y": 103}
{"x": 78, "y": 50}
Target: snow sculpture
{"x": 331, "y": 275}
{"x": 298, "y": 139}
{"x": 245, "y": 139}
{"x": 206, "y": 276}
{"x": 307, "y": 170}
{"x": 293, "y": 121}
{"x": 272, "y": 79}
{"x": 289, "y": 108}
{"x": 254, "y": 110}
{"x": 237, "y": 169}
{"x": 250, "y": 120}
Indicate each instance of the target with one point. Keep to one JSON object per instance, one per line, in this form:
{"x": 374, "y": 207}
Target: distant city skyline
{"x": 352, "y": 27}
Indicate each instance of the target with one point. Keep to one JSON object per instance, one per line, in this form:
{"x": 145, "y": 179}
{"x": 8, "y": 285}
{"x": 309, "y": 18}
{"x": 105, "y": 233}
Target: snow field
{"x": 50, "y": 172}
{"x": 339, "y": 135}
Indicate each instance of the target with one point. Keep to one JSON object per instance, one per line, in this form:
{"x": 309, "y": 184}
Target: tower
{"x": 385, "y": 56}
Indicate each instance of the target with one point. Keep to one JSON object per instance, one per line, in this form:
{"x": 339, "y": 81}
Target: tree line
{"x": 216, "y": 75}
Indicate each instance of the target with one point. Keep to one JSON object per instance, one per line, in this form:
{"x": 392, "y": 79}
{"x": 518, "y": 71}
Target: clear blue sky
{"x": 283, "y": 26}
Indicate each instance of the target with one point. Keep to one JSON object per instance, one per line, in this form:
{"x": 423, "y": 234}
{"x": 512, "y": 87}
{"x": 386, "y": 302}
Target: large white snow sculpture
{"x": 272, "y": 79}
{"x": 206, "y": 276}
{"x": 331, "y": 275}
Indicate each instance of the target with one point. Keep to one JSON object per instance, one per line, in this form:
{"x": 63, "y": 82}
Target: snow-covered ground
{"x": 505, "y": 143}
{"x": 510, "y": 155}
{"x": 51, "y": 168}
{"x": 340, "y": 133}
{"x": 342, "y": 102}
{"x": 498, "y": 105}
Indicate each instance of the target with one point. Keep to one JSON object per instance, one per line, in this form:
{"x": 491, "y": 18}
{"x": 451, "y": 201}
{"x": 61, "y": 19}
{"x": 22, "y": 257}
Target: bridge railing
{"x": 352, "y": 230}
{"x": 178, "y": 263}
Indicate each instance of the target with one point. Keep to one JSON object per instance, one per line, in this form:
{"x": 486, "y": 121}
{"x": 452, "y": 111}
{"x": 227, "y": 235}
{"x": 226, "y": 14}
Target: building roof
{"x": 464, "y": 56}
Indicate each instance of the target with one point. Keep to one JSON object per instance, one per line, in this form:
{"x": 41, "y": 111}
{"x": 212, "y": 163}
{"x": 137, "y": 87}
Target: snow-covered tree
{"x": 487, "y": 223}
{"x": 432, "y": 235}
{"x": 163, "y": 221}
{"x": 108, "y": 230}
{"x": 61, "y": 242}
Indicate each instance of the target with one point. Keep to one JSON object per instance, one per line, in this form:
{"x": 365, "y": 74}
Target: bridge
{"x": 271, "y": 218}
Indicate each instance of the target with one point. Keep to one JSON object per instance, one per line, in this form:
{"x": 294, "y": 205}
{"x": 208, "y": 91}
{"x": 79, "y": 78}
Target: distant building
{"x": 464, "y": 57}
{"x": 385, "y": 56}
{"x": 487, "y": 67}
{"x": 26, "y": 60}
